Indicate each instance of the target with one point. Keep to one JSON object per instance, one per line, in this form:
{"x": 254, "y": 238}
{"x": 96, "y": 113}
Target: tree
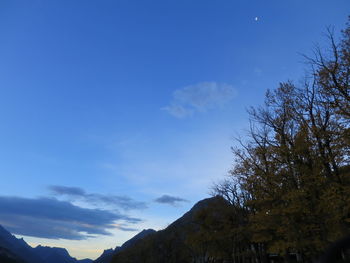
{"x": 291, "y": 176}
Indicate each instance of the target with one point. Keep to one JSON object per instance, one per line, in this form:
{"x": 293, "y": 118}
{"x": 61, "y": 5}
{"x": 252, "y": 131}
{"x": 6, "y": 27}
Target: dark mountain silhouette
{"x": 57, "y": 255}
{"x": 86, "y": 260}
{"x": 17, "y": 250}
{"x": 107, "y": 255}
{"x": 188, "y": 239}
{"x": 6, "y": 256}
{"x": 139, "y": 236}
{"x": 18, "y": 247}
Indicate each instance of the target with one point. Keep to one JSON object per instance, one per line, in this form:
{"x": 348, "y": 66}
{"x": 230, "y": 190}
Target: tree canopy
{"x": 291, "y": 177}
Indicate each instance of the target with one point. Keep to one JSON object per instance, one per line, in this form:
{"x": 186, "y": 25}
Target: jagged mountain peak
{"x": 39, "y": 254}
{"x": 18, "y": 247}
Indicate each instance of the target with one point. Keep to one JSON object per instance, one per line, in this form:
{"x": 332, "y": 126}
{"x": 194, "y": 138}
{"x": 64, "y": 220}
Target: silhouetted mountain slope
{"x": 19, "y": 250}
{"x": 54, "y": 254}
{"x": 18, "y": 247}
{"x": 6, "y": 256}
{"x": 85, "y": 260}
{"x": 186, "y": 240}
{"x": 57, "y": 255}
{"x": 134, "y": 239}
{"x": 107, "y": 255}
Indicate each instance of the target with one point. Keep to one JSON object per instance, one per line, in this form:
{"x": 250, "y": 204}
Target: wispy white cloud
{"x": 200, "y": 98}
{"x": 178, "y": 110}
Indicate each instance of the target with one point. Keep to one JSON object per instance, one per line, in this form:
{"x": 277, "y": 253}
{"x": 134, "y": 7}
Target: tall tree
{"x": 291, "y": 176}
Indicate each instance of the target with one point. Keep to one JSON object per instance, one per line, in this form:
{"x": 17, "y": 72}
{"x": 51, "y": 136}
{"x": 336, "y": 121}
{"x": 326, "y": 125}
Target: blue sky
{"x": 121, "y": 114}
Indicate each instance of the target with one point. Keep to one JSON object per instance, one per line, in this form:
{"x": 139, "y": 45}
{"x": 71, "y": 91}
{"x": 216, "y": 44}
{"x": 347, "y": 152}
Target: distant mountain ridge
{"x": 18, "y": 247}
{"x": 108, "y": 254}
{"x": 57, "y": 255}
{"x": 18, "y": 250}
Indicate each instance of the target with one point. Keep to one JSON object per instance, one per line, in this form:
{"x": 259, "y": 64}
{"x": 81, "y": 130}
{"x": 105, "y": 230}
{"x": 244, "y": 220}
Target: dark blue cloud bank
{"x": 170, "y": 200}
{"x": 56, "y": 219}
{"x": 114, "y": 201}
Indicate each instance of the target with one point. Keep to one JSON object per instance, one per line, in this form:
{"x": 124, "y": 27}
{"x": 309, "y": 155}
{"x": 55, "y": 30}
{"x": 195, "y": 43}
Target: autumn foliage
{"x": 291, "y": 177}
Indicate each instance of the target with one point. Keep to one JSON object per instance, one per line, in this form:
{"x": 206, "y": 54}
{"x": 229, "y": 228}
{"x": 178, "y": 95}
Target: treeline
{"x": 290, "y": 184}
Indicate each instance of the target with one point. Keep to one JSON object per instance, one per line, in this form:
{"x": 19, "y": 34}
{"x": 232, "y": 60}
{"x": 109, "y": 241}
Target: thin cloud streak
{"x": 114, "y": 201}
{"x": 170, "y": 200}
{"x": 200, "y": 97}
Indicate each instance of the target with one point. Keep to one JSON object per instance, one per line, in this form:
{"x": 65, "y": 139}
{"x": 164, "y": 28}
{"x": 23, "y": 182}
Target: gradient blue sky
{"x": 120, "y": 114}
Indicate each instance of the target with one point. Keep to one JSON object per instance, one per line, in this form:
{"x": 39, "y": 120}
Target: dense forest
{"x": 287, "y": 197}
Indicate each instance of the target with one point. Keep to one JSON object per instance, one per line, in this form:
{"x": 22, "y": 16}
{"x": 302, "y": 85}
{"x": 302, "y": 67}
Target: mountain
{"x": 12, "y": 248}
{"x": 18, "y": 247}
{"x": 132, "y": 241}
{"x": 195, "y": 237}
{"x": 85, "y": 260}
{"x": 6, "y": 256}
{"x": 108, "y": 254}
{"x": 57, "y": 255}
{"x": 54, "y": 254}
